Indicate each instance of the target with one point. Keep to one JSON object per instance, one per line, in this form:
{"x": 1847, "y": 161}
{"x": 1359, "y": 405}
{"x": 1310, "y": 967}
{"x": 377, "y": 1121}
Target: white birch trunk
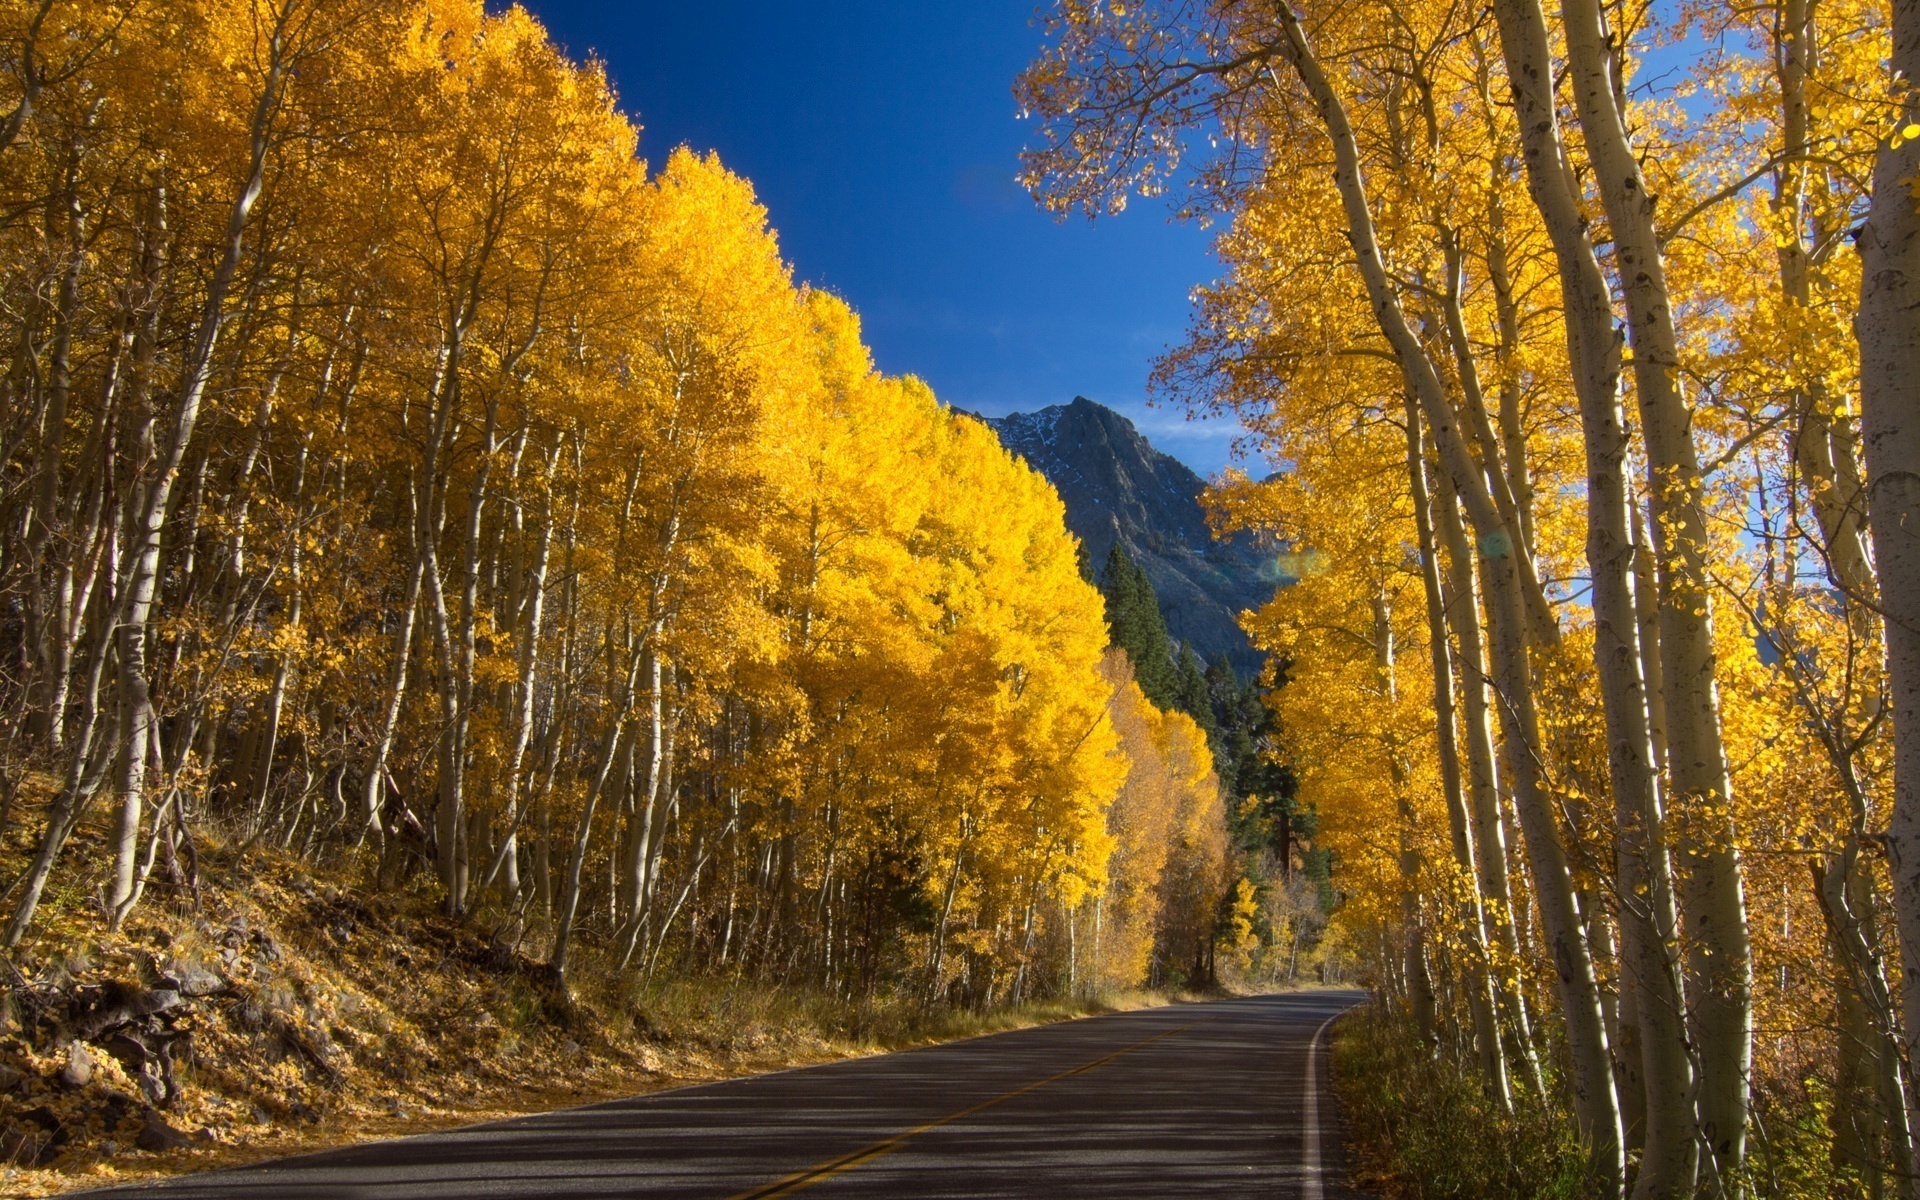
{"x": 1473, "y": 919}
{"x": 1888, "y": 326}
{"x": 1718, "y": 955}
{"x": 142, "y": 582}
{"x": 1591, "y": 1078}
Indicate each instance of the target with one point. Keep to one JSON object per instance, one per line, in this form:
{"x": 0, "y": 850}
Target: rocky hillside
{"x": 1118, "y": 487}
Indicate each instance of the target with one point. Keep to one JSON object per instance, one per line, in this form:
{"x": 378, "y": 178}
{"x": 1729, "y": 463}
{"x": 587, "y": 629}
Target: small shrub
{"x": 1791, "y": 1153}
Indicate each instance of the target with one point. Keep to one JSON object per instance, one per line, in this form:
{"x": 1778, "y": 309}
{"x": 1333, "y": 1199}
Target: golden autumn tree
{"x": 403, "y": 475}
{"x": 1589, "y": 355}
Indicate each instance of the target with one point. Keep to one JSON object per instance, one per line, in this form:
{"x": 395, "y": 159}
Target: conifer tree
{"x": 1135, "y": 625}
{"x": 1239, "y": 715}
{"x": 1190, "y": 692}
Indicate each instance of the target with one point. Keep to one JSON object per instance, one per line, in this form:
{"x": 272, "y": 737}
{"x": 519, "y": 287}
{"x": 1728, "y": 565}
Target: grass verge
{"x": 1421, "y": 1127}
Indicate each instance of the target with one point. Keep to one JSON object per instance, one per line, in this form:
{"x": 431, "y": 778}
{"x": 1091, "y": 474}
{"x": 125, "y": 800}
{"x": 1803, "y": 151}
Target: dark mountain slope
{"x": 1117, "y": 486}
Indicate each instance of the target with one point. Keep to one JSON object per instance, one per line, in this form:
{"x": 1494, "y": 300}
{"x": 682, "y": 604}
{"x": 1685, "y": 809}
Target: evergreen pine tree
{"x": 1190, "y": 695}
{"x": 1135, "y": 625}
{"x": 1239, "y": 716}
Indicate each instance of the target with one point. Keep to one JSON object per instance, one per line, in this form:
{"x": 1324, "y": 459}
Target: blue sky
{"x": 883, "y": 137}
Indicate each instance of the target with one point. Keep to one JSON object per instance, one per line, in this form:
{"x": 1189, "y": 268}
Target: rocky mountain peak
{"x": 1118, "y": 487}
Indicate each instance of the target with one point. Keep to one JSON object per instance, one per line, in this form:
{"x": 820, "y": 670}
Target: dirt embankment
{"x": 279, "y": 1012}
{"x": 285, "y": 1014}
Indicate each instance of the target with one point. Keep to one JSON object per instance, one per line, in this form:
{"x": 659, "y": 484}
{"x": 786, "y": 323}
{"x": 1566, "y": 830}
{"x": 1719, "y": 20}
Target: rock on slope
{"x": 1118, "y": 487}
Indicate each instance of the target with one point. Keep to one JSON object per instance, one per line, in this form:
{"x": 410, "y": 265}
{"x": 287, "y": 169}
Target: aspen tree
{"x": 1481, "y": 982}
{"x": 1718, "y": 956}
{"x": 1593, "y": 1082}
{"x": 484, "y": 497}
{"x": 1888, "y": 327}
{"x": 1668, "y": 1162}
{"x": 1513, "y": 301}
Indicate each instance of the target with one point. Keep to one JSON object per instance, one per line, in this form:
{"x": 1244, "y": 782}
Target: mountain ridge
{"x": 1118, "y": 486}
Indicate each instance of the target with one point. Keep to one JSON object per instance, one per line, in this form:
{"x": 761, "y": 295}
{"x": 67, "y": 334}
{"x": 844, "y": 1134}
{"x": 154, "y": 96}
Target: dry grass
{"x": 343, "y": 1013}
{"x": 1421, "y": 1127}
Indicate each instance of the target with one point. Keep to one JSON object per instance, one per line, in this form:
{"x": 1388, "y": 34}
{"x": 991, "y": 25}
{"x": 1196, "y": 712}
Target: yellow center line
{"x": 846, "y": 1162}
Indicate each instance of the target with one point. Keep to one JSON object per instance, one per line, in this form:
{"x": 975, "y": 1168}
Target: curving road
{"x": 1216, "y": 1100}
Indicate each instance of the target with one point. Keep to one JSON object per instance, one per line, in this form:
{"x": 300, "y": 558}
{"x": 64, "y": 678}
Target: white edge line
{"x": 1312, "y": 1186}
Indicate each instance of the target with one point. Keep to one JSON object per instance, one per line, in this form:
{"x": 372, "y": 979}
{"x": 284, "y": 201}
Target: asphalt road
{"x": 1217, "y": 1100}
